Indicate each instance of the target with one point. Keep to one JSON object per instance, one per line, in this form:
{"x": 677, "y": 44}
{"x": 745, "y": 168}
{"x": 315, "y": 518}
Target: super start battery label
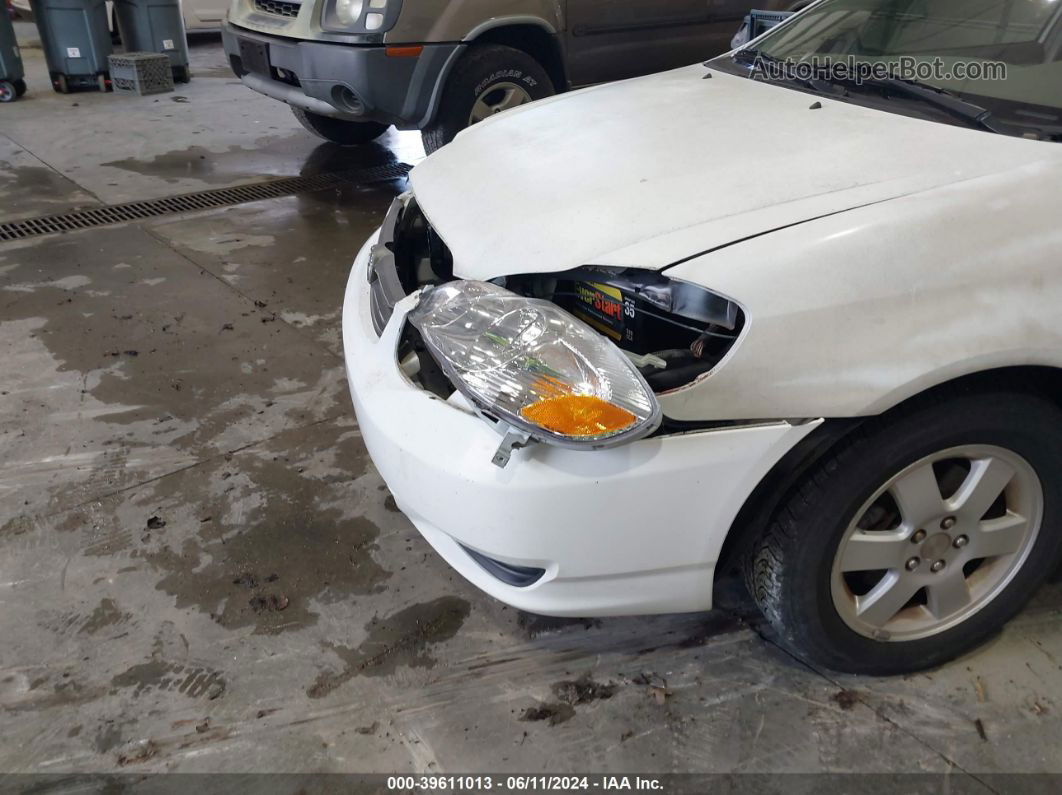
{"x": 605, "y": 308}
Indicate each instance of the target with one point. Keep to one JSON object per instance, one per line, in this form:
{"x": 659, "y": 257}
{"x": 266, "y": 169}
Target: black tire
{"x": 476, "y": 75}
{"x": 103, "y": 83}
{"x": 182, "y": 74}
{"x": 61, "y": 84}
{"x": 20, "y": 87}
{"x": 8, "y": 93}
{"x": 339, "y": 131}
{"x": 788, "y": 569}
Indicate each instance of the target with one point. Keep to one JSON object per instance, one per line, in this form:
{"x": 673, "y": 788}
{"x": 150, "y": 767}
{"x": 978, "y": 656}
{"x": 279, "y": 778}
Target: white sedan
{"x": 789, "y": 318}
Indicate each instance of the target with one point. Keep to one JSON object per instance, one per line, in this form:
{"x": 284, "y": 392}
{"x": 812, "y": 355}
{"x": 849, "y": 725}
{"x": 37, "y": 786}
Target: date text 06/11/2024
{"x": 526, "y": 783}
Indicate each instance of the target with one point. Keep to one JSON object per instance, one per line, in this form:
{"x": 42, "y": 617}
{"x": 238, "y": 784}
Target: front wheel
{"x": 7, "y": 91}
{"x": 488, "y": 80}
{"x": 339, "y": 131}
{"x": 918, "y": 538}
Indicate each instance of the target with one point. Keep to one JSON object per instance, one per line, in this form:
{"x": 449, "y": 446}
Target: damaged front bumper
{"x": 630, "y": 530}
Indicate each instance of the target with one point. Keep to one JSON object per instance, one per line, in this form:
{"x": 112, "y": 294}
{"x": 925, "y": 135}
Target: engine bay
{"x": 674, "y": 332}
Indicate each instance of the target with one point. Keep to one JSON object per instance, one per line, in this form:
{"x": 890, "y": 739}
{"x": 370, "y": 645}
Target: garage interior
{"x": 200, "y": 570}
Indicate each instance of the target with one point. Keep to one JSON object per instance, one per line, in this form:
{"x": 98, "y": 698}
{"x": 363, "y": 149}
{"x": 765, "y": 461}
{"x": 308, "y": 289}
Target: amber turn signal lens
{"x": 404, "y": 52}
{"x": 578, "y": 416}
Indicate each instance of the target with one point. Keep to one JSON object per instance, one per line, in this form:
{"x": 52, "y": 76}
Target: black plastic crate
{"x": 141, "y": 73}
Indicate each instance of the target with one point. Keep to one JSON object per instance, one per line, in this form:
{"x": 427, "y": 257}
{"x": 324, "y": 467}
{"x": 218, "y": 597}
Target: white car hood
{"x": 654, "y": 170}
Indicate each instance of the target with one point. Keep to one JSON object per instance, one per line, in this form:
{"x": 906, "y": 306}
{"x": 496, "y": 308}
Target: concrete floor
{"x": 200, "y": 570}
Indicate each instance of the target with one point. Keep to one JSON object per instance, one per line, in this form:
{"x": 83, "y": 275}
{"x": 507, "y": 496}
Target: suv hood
{"x": 657, "y": 169}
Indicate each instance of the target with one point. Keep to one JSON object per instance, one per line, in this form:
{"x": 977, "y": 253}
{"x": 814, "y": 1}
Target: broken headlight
{"x": 534, "y": 366}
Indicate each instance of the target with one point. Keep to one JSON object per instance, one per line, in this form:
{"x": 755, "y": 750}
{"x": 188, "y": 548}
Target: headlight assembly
{"x": 534, "y": 366}
{"x": 360, "y": 16}
{"x": 349, "y": 11}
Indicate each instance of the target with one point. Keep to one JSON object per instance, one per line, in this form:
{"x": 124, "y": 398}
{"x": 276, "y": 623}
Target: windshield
{"x": 1002, "y": 56}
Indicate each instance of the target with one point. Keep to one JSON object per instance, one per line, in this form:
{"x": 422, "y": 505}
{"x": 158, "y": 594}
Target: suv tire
{"x": 487, "y": 79}
{"x": 899, "y": 487}
{"x": 339, "y": 131}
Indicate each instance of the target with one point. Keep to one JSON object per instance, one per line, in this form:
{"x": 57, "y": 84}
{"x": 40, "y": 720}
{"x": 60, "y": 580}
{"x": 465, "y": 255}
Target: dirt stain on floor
{"x": 583, "y": 690}
{"x": 401, "y": 639}
{"x": 105, "y": 615}
{"x": 267, "y": 562}
{"x": 171, "y": 367}
{"x": 36, "y": 190}
{"x": 715, "y": 624}
{"x": 108, "y": 737}
{"x": 168, "y": 669}
{"x": 158, "y": 674}
{"x": 534, "y": 625}
{"x": 270, "y": 514}
{"x": 555, "y": 714}
{"x": 845, "y": 699}
{"x": 190, "y": 387}
{"x": 569, "y": 694}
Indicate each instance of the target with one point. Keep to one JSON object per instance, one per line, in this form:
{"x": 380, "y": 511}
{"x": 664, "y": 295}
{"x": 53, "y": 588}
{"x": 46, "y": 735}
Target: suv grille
{"x": 278, "y": 7}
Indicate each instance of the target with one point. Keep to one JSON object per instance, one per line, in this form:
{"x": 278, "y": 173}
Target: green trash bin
{"x": 155, "y": 26}
{"x": 12, "y": 86}
{"x": 76, "y": 42}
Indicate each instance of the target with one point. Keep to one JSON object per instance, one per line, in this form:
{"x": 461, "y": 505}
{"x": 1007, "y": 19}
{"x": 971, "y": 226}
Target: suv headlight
{"x": 349, "y": 11}
{"x": 534, "y": 366}
{"x": 360, "y": 16}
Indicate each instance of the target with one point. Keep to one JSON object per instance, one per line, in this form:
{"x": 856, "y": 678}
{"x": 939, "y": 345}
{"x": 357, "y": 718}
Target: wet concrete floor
{"x": 200, "y": 570}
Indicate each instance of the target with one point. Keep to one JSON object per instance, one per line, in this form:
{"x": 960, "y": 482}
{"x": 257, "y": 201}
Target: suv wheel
{"x": 487, "y": 80}
{"x": 918, "y": 538}
{"x": 339, "y": 131}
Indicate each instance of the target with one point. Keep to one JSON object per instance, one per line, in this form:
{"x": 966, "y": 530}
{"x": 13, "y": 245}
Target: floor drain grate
{"x": 189, "y": 202}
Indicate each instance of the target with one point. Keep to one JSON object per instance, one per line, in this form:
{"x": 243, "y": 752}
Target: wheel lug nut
{"x": 961, "y": 541}
{"x": 937, "y": 566}
{"x": 913, "y": 564}
{"x": 918, "y": 537}
{"x": 948, "y": 523}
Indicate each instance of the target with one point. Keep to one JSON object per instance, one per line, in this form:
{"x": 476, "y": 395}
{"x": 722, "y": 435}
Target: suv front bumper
{"x": 628, "y": 530}
{"x": 342, "y": 81}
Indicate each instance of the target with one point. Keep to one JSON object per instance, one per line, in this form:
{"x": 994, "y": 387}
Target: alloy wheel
{"x": 937, "y": 543}
{"x": 499, "y": 97}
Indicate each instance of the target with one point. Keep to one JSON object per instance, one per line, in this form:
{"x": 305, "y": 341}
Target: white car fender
{"x": 850, "y": 314}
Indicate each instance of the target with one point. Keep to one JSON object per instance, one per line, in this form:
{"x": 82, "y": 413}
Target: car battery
{"x": 644, "y": 312}
{"x": 608, "y": 309}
